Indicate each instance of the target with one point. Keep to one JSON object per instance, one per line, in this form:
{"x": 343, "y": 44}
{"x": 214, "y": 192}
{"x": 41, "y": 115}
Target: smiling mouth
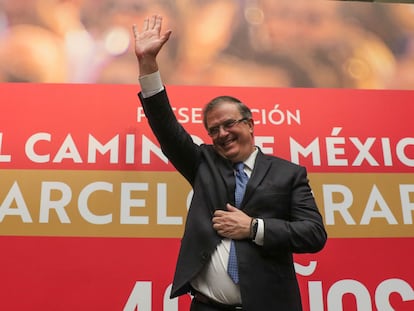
{"x": 227, "y": 142}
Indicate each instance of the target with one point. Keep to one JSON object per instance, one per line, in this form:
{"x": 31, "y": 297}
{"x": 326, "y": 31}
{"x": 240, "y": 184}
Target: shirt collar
{"x": 249, "y": 163}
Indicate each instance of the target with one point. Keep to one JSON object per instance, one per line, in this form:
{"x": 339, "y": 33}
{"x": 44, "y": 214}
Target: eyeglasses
{"x": 226, "y": 125}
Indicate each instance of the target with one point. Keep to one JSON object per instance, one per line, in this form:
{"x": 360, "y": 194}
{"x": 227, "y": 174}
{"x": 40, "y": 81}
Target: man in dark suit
{"x": 277, "y": 216}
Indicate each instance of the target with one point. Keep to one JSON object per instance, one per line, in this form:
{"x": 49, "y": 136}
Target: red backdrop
{"x": 91, "y": 212}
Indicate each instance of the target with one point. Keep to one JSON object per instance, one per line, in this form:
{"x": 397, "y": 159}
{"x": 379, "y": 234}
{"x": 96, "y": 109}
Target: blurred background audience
{"x": 269, "y": 43}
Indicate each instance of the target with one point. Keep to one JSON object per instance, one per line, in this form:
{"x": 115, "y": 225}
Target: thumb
{"x": 231, "y": 208}
{"x": 164, "y": 38}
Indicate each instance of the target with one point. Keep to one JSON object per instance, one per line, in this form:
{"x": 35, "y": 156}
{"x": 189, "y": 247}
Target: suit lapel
{"x": 219, "y": 180}
{"x": 225, "y": 168}
{"x": 261, "y": 167}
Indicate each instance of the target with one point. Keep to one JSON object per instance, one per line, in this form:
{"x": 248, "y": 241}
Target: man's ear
{"x": 251, "y": 125}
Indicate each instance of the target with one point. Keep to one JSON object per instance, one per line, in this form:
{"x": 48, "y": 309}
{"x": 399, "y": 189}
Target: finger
{"x": 158, "y": 23}
{"x": 153, "y": 21}
{"x": 135, "y": 30}
{"x": 219, "y": 212}
{"x": 231, "y": 208}
{"x": 218, "y": 220}
{"x": 220, "y": 215}
{"x": 165, "y": 37}
{"x": 146, "y": 24}
{"x": 220, "y": 229}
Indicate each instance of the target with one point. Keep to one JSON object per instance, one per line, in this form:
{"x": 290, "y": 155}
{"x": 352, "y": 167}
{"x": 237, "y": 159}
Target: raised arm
{"x": 148, "y": 43}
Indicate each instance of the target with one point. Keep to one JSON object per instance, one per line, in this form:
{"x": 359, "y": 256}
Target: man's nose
{"x": 222, "y": 131}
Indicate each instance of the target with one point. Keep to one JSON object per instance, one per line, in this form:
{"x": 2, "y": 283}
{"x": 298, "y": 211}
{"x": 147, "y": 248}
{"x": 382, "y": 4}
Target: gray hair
{"x": 243, "y": 109}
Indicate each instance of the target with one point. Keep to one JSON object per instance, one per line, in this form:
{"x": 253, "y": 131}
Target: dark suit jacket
{"x": 277, "y": 191}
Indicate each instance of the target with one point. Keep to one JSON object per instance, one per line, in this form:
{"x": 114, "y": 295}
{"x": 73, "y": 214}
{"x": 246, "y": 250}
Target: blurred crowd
{"x": 284, "y": 43}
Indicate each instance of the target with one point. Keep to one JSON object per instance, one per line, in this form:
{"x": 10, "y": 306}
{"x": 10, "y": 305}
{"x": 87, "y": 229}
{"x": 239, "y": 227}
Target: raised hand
{"x": 149, "y": 42}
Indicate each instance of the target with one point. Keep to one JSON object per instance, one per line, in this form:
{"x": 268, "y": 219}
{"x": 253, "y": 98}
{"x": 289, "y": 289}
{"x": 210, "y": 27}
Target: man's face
{"x": 232, "y": 138}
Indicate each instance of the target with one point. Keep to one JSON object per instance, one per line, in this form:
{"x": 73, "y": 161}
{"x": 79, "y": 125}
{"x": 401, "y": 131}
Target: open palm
{"x": 149, "y": 41}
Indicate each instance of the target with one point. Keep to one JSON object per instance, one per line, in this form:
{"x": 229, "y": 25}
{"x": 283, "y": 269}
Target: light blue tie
{"x": 241, "y": 181}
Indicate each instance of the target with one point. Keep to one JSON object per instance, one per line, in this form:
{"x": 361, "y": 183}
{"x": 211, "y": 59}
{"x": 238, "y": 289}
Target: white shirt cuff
{"x": 259, "y": 239}
{"x": 151, "y": 84}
